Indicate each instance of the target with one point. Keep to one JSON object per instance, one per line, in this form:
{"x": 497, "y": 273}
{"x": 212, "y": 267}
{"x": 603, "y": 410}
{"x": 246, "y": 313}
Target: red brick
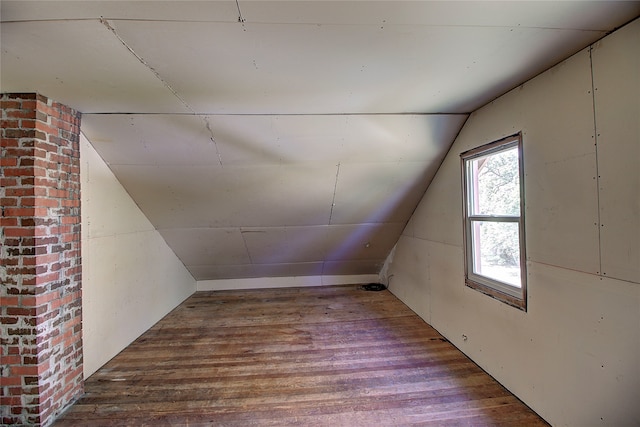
{"x": 8, "y": 222}
{"x": 21, "y": 311}
{"x": 47, "y": 278}
{"x": 21, "y": 114}
{"x": 10, "y": 124}
{"x": 7, "y": 301}
{"x": 19, "y": 133}
{"x": 45, "y": 127}
{"x": 18, "y": 171}
{"x": 27, "y": 181}
{"x": 54, "y": 192}
{"x": 11, "y": 360}
{"x": 33, "y": 222}
{"x": 8, "y": 201}
{"x": 19, "y": 212}
{"x": 24, "y": 370}
{"x": 48, "y": 258}
{"x": 10, "y": 105}
{"x": 8, "y": 182}
{"x": 28, "y": 104}
{"x": 8, "y": 161}
{"x": 18, "y": 232}
{"x": 23, "y": 270}
{"x": 19, "y": 152}
{"x": 21, "y": 191}
{"x": 40, "y": 202}
{"x": 9, "y": 142}
{"x": 52, "y": 148}
{"x": 46, "y": 240}
{"x": 44, "y": 182}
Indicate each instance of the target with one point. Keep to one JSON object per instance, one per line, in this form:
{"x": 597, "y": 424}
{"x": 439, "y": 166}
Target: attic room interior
{"x": 194, "y": 194}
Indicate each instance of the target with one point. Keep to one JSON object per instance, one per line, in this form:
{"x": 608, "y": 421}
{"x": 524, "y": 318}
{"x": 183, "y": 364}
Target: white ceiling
{"x": 299, "y": 141}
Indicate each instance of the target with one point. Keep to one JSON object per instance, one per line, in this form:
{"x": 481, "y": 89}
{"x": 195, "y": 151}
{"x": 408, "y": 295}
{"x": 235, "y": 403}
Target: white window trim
{"x": 504, "y": 292}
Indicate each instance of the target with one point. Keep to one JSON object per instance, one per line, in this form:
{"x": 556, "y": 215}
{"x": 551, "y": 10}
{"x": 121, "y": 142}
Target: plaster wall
{"x": 574, "y": 355}
{"x": 131, "y": 278}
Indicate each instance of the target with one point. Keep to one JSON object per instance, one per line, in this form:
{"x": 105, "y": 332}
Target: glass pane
{"x": 494, "y": 184}
{"x": 496, "y": 251}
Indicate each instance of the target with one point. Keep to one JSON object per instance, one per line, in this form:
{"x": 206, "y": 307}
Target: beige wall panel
{"x": 131, "y": 278}
{"x": 560, "y": 167}
{"x": 273, "y": 140}
{"x": 276, "y": 245}
{"x": 370, "y": 268}
{"x": 285, "y": 282}
{"x": 574, "y": 356}
{"x": 207, "y": 246}
{"x": 254, "y": 76}
{"x": 575, "y": 340}
{"x": 562, "y": 223}
{"x": 446, "y": 283}
{"x": 361, "y": 241}
{"x": 231, "y": 196}
{"x": 546, "y": 354}
{"x": 146, "y": 10}
{"x": 596, "y": 17}
{"x": 587, "y": 329}
{"x": 106, "y": 206}
{"x": 399, "y": 137}
{"x": 150, "y": 139}
{"x": 554, "y": 111}
{"x": 616, "y": 73}
{"x": 282, "y": 139}
{"x": 205, "y": 272}
{"x": 93, "y": 65}
{"x": 269, "y": 139}
{"x": 130, "y": 282}
{"x": 408, "y": 275}
{"x": 381, "y": 192}
{"x": 438, "y": 216}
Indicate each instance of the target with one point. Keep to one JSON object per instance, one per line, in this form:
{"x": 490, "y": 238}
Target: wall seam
{"x": 596, "y": 136}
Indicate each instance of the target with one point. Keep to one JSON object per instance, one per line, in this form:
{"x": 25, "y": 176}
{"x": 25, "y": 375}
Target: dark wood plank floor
{"x": 327, "y": 356}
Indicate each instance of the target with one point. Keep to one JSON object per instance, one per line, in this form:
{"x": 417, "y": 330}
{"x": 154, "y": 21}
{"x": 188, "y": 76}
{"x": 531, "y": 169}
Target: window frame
{"x": 502, "y": 291}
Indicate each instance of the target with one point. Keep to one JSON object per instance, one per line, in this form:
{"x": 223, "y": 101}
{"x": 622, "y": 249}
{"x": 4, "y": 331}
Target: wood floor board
{"x": 326, "y": 356}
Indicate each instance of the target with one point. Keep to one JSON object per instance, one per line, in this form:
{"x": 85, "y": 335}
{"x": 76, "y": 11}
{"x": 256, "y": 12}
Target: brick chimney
{"x": 41, "y": 310}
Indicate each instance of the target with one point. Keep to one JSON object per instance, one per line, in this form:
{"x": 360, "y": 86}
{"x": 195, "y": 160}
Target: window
{"x": 494, "y": 220}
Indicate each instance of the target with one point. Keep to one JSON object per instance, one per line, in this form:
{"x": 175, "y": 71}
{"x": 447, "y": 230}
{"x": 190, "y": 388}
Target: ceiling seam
{"x": 246, "y": 247}
{"x": 242, "y": 19}
{"x": 104, "y": 22}
{"x": 212, "y": 138}
{"x": 333, "y": 200}
{"x": 209, "y": 114}
{"x": 145, "y": 63}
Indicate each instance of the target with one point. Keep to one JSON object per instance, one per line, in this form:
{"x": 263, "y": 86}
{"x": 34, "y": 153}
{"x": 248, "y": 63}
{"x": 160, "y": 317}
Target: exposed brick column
{"x": 41, "y": 310}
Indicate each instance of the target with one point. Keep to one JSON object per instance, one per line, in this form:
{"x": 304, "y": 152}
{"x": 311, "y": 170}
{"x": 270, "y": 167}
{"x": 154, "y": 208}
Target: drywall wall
{"x": 574, "y": 356}
{"x": 284, "y": 282}
{"x": 130, "y": 277}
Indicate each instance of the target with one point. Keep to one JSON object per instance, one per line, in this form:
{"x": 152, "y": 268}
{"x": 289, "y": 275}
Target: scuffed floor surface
{"x": 326, "y": 356}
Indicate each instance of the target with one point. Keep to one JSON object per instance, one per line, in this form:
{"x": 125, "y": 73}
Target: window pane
{"x": 496, "y": 251}
{"x": 495, "y": 184}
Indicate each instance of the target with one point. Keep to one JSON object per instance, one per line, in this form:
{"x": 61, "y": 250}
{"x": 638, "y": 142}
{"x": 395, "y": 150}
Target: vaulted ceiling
{"x": 284, "y": 138}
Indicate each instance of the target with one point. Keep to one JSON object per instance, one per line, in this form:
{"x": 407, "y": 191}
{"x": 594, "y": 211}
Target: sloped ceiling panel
{"x": 293, "y": 68}
{"x": 81, "y": 64}
{"x": 290, "y": 138}
{"x": 275, "y": 194}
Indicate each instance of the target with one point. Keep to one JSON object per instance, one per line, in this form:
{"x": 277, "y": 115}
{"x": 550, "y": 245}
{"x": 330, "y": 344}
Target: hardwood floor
{"x": 326, "y": 356}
